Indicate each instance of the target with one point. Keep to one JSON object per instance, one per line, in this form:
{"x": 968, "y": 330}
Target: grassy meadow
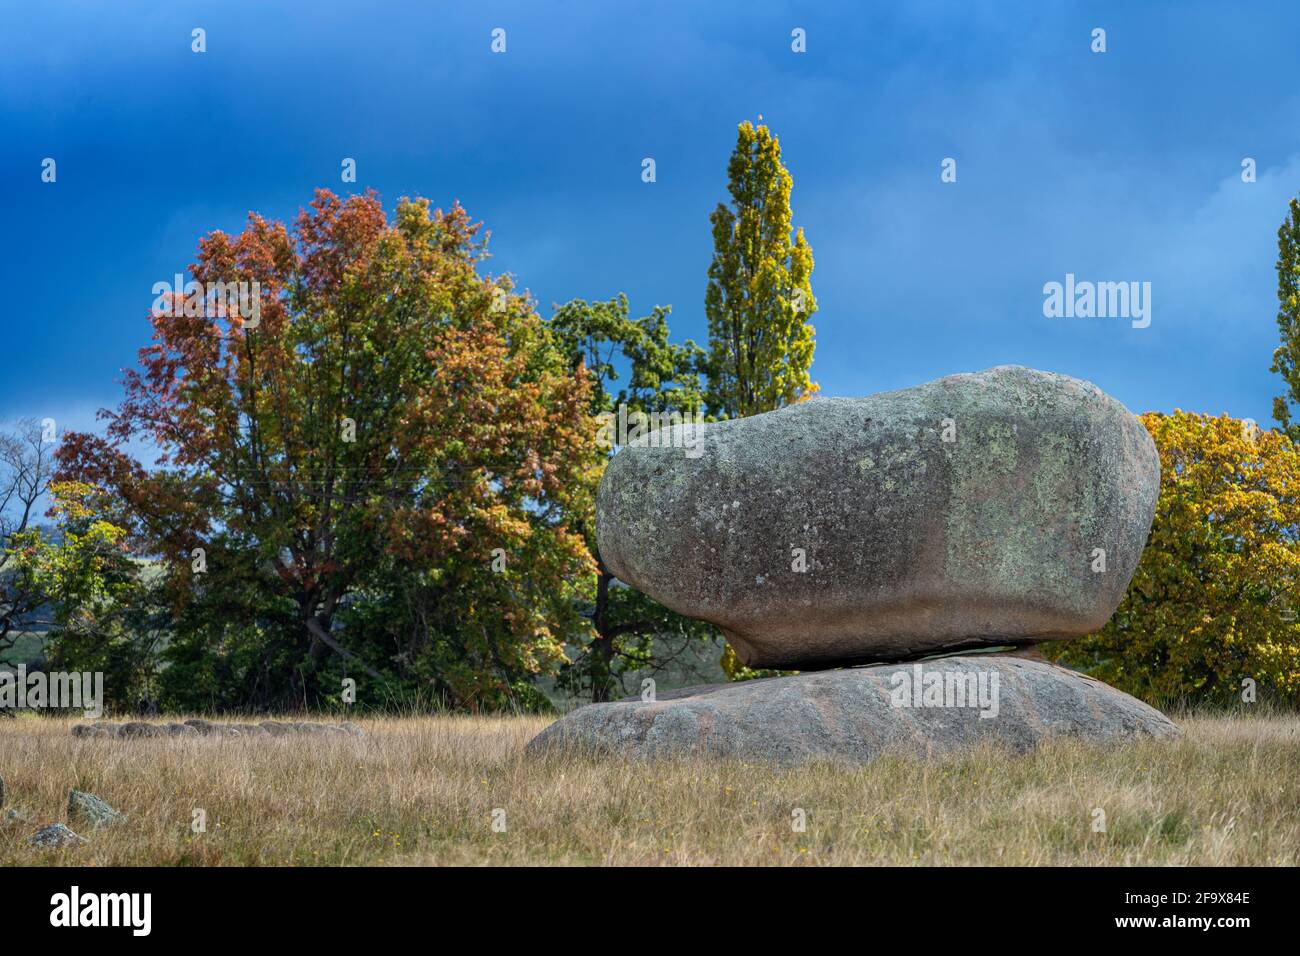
{"x": 426, "y": 790}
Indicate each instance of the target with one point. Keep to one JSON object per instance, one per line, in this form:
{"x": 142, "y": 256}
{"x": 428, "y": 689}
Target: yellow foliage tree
{"x": 1212, "y": 605}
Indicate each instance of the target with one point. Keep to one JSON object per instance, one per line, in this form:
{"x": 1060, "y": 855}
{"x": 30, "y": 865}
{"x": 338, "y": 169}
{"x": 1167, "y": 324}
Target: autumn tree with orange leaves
{"x": 369, "y": 471}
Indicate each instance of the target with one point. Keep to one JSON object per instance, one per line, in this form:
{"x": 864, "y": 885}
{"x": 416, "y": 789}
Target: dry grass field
{"x": 423, "y": 790}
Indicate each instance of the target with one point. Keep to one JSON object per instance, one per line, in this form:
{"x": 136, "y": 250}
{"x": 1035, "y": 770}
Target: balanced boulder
{"x": 1008, "y": 506}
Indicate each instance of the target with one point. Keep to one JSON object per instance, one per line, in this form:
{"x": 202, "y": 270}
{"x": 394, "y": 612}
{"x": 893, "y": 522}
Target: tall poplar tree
{"x": 1286, "y": 358}
{"x": 759, "y": 298}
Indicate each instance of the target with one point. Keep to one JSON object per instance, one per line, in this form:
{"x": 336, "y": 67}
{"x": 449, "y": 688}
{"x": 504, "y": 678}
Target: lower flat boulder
{"x": 942, "y": 705}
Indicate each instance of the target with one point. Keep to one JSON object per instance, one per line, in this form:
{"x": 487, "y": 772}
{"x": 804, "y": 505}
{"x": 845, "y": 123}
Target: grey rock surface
{"x": 54, "y": 835}
{"x": 196, "y": 727}
{"x": 856, "y": 714}
{"x": 91, "y": 730}
{"x": 911, "y": 543}
{"x": 92, "y": 809}
{"x": 138, "y": 728}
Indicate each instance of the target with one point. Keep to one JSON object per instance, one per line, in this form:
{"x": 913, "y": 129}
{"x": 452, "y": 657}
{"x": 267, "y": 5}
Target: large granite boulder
{"x": 939, "y": 706}
{"x": 1008, "y": 506}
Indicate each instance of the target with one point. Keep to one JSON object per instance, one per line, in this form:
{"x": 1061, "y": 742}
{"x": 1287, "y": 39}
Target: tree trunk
{"x": 602, "y": 648}
{"x": 321, "y": 633}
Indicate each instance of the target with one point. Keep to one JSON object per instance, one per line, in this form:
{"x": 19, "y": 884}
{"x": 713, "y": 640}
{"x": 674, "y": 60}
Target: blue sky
{"x": 1116, "y": 167}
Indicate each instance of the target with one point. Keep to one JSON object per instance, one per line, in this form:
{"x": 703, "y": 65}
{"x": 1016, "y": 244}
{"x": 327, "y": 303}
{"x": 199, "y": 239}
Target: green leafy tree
{"x": 1286, "y": 358}
{"x": 26, "y": 466}
{"x": 662, "y": 377}
{"x": 105, "y": 614}
{"x": 759, "y": 298}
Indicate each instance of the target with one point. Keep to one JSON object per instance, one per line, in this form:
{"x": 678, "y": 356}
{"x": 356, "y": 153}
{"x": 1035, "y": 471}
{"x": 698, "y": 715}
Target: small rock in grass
{"x": 315, "y": 727}
{"x": 92, "y": 809}
{"x": 56, "y": 834}
{"x": 207, "y": 728}
{"x": 94, "y": 730}
{"x": 138, "y": 728}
